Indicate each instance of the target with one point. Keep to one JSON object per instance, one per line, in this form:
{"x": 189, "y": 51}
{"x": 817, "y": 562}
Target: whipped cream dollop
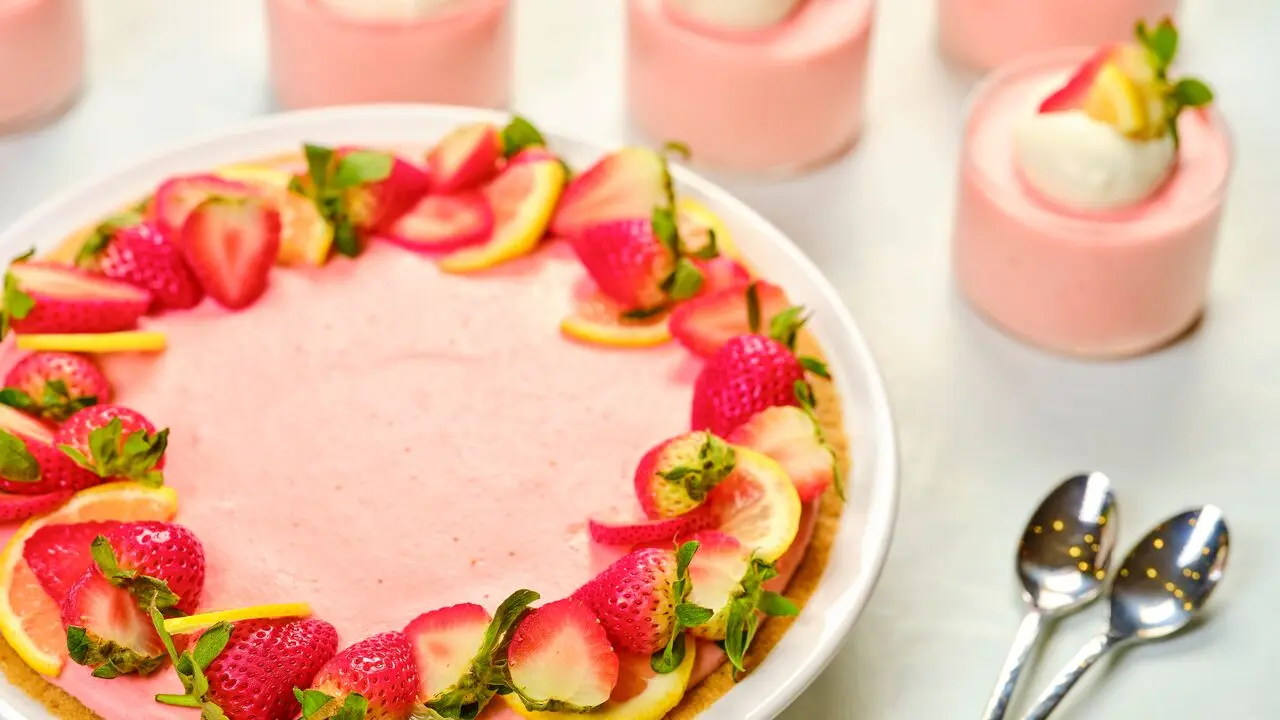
{"x": 736, "y": 14}
{"x": 1087, "y": 165}
{"x": 403, "y": 10}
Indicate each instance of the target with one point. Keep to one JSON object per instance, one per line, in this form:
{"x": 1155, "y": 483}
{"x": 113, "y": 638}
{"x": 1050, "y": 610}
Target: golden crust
{"x": 65, "y": 707}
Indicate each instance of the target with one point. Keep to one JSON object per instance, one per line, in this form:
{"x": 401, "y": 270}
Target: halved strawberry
{"x": 560, "y": 659}
{"x": 792, "y": 436}
{"x": 721, "y": 273}
{"x": 465, "y": 158}
{"x": 59, "y": 555}
{"x": 231, "y": 245}
{"x": 442, "y": 223}
{"x": 674, "y": 477}
{"x": 54, "y": 385}
{"x": 1073, "y": 95}
{"x": 624, "y": 185}
{"x": 46, "y": 298}
{"x": 178, "y": 196}
{"x": 380, "y": 670}
{"x": 445, "y": 644}
{"x": 704, "y": 324}
{"x": 629, "y": 533}
{"x": 107, "y": 630}
{"x": 31, "y": 463}
{"x": 21, "y": 507}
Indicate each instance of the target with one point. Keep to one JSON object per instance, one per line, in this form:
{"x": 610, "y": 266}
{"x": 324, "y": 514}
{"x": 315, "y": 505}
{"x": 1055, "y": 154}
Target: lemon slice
{"x": 523, "y": 199}
{"x": 29, "y": 619}
{"x": 641, "y": 694}
{"x": 696, "y": 219}
{"x": 597, "y": 320}
{"x": 1117, "y": 100}
{"x": 203, "y": 621}
{"x": 130, "y": 341}
{"x": 758, "y": 505}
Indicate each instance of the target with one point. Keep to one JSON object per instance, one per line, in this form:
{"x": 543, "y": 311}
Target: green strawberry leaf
{"x": 691, "y": 615}
{"x": 57, "y": 402}
{"x": 684, "y": 282}
{"x": 518, "y": 135}
{"x": 211, "y": 644}
{"x": 165, "y": 638}
{"x": 311, "y": 701}
{"x": 670, "y": 657}
{"x": 191, "y": 665}
{"x": 785, "y": 326}
{"x": 319, "y": 163}
{"x": 362, "y": 167}
{"x": 716, "y": 460}
{"x": 17, "y": 399}
{"x": 677, "y": 148}
{"x": 711, "y": 250}
{"x": 17, "y": 304}
{"x": 753, "y": 307}
{"x": 77, "y": 644}
{"x": 815, "y": 366}
{"x": 644, "y": 313}
{"x": 150, "y": 592}
{"x": 665, "y": 229}
{"x": 345, "y": 239}
{"x": 97, "y": 243}
{"x": 773, "y": 604}
{"x": 209, "y": 711}
{"x": 1190, "y": 92}
{"x": 487, "y": 674}
{"x": 804, "y": 396}
{"x": 114, "y": 454}
{"x": 354, "y": 708}
{"x": 16, "y": 464}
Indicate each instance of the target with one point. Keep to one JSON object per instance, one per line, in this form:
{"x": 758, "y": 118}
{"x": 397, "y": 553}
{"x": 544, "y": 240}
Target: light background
{"x": 986, "y": 425}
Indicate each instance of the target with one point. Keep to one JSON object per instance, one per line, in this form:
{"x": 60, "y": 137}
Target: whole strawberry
{"x": 139, "y": 569}
{"x": 139, "y": 253}
{"x": 379, "y": 669}
{"x": 54, "y": 385}
{"x": 752, "y": 372}
{"x": 641, "y": 601}
{"x": 253, "y": 667}
{"x": 115, "y": 442}
{"x": 675, "y": 476}
{"x": 30, "y": 462}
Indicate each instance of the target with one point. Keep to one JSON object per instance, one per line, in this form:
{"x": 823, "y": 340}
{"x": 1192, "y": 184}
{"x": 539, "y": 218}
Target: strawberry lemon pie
{"x": 750, "y": 85}
{"x": 1091, "y": 192}
{"x": 343, "y": 52}
{"x": 389, "y": 435}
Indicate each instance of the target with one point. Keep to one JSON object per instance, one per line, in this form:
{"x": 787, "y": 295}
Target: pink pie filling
{"x": 380, "y": 439}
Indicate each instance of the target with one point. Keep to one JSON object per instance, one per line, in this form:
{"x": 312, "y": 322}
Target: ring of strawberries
{"x": 691, "y": 573}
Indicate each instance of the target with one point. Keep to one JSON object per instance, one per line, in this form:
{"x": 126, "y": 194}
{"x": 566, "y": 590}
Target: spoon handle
{"x": 1023, "y": 643}
{"x": 1063, "y": 683}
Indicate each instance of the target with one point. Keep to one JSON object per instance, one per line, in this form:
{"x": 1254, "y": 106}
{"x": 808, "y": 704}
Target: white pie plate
{"x": 866, "y": 527}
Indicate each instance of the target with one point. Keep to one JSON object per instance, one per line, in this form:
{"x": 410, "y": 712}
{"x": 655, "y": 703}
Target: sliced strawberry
{"x": 704, "y": 324}
{"x": 662, "y": 531}
{"x": 30, "y": 461}
{"x": 625, "y": 185}
{"x": 59, "y": 555}
{"x": 722, "y": 273}
{"x": 231, "y": 245}
{"x": 560, "y": 659}
{"x": 465, "y": 159}
{"x": 445, "y": 642}
{"x": 791, "y": 436}
{"x": 442, "y": 223}
{"x": 48, "y": 298}
{"x": 674, "y": 477}
{"x": 177, "y": 197}
{"x": 107, "y": 630}
{"x": 1072, "y": 96}
{"x": 21, "y": 507}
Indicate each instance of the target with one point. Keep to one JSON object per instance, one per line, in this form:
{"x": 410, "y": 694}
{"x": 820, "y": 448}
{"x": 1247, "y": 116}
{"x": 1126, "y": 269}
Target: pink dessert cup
{"x": 41, "y": 60}
{"x": 782, "y": 99}
{"x": 1099, "y": 285}
{"x": 320, "y": 57}
{"x": 984, "y": 34}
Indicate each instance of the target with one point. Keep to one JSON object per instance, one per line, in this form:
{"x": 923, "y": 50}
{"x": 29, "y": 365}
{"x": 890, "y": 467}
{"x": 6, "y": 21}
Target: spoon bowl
{"x": 1066, "y": 549}
{"x": 1167, "y": 577}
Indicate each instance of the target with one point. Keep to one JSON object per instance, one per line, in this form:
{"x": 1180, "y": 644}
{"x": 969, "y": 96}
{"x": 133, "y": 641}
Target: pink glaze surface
{"x": 460, "y": 57}
{"x": 784, "y": 98}
{"x": 1103, "y": 284}
{"x": 380, "y": 439}
{"x": 986, "y": 33}
{"x": 41, "y": 58}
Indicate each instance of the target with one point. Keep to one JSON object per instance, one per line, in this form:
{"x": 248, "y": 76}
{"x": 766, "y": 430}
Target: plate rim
{"x": 756, "y": 699}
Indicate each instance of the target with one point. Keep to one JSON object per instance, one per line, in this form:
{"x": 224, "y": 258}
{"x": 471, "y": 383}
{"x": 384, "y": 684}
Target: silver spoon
{"x": 1062, "y": 562}
{"x": 1161, "y": 586}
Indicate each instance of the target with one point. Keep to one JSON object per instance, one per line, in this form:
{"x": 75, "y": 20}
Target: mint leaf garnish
{"x": 330, "y": 182}
{"x": 361, "y": 167}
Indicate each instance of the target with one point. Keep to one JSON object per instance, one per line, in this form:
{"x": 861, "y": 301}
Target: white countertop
{"x": 986, "y": 425}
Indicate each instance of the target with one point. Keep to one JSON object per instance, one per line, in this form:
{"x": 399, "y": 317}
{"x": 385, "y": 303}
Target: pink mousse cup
{"x": 1107, "y": 284}
{"x": 984, "y": 34}
{"x": 320, "y": 57}
{"x": 783, "y": 99}
{"x": 41, "y": 59}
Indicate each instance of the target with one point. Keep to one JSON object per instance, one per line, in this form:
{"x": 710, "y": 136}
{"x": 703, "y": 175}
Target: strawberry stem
{"x": 687, "y": 614}
{"x": 716, "y": 460}
{"x": 744, "y": 611}
{"x": 1161, "y": 44}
